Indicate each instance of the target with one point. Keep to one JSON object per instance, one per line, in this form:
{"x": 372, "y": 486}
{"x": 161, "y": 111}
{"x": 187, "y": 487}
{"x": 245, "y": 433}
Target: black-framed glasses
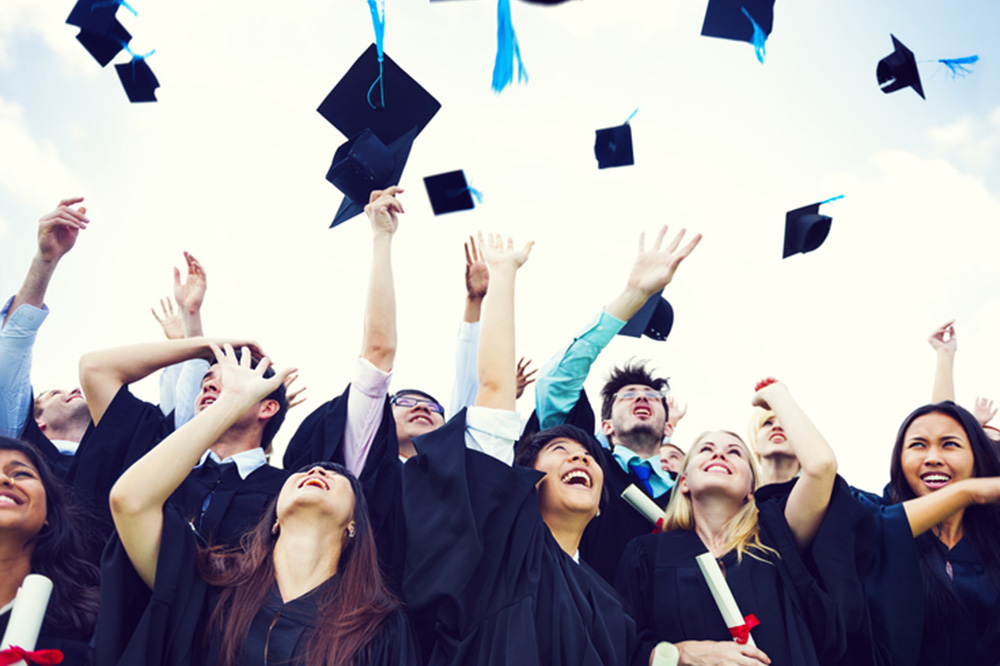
{"x": 412, "y": 401}
{"x": 632, "y": 394}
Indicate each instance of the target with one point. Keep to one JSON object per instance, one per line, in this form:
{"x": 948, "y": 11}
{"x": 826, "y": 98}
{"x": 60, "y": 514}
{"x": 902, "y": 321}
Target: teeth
{"x": 935, "y": 478}
{"x": 7, "y": 500}
{"x": 577, "y": 474}
{"x": 717, "y": 466}
{"x": 314, "y": 482}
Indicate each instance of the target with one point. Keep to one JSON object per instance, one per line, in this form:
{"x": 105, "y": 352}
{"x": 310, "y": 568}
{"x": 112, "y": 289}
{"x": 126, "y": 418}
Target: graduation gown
{"x": 166, "y": 626}
{"x": 485, "y": 581}
{"x": 321, "y": 437}
{"x": 74, "y": 645}
{"x": 800, "y": 623}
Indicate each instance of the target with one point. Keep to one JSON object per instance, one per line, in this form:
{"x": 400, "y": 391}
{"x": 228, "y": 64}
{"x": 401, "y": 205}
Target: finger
{"x": 79, "y": 214}
{"x": 374, "y": 195}
{"x": 65, "y": 220}
{"x": 156, "y": 316}
{"x": 262, "y": 366}
{"x": 177, "y": 276}
{"x": 527, "y": 248}
{"x": 291, "y": 380}
{"x": 528, "y": 375}
{"x": 245, "y": 357}
{"x": 660, "y": 236}
{"x": 676, "y": 241}
{"x": 468, "y": 257}
{"x": 170, "y": 307}
{"x": 510, "y": 244}
{"x": 219, "y": 354}
{"x": 475, "y": 252}
{"x": 689, "y": 248}
{"x": 70, "y": 201}
{"x": 482, "y": 242}
{"x": 642, "y": 242}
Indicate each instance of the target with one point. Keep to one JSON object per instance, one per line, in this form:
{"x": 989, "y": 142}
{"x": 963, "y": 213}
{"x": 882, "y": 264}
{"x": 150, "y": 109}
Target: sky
{"x": 229, "y": 165}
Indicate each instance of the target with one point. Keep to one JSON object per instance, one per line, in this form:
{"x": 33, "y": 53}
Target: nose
{"x": 932, "y": 457}
{"x": 580, "y": 457}
{"x": 317, "y": 469}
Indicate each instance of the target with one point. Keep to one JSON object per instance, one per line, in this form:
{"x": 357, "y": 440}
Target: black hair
{"x": 425, "y": 394}
{"x": 528, "y": 450}
{"x": 981, "y": 523}
{"x": 633, "y": 372}
{"x": 60, "y": 551}
{"x": 279, "y": 395}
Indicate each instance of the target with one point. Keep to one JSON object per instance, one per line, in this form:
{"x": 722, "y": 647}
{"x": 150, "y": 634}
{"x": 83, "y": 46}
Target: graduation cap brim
{"x": 725, "y": 19}
{"x": 138, "y": 80}
{"x": 400, "y": 149}
{"x": 613, "y": 146}
{"x": 104, "y": 47}
{"x": 407, "y": 104}
{"x": 654, "y": 319}
{"x": 96, "y": 19}
{"x": 449, "y": 192}
{"x": 805, "y": 230}
{"x": 899, "y": 70}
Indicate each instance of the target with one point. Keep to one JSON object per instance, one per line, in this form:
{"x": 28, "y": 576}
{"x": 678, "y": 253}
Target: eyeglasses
{"x": 410, "y": 401}
{"x": 632, "y": 394}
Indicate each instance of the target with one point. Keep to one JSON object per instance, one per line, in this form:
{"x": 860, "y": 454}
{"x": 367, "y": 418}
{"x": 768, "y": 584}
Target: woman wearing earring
{"x": 305, "y": 589}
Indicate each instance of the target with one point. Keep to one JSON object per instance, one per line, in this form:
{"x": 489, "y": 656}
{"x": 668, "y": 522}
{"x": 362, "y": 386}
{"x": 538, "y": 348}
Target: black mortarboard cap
{"x": 899, "y": 70}
{"x": 104, "y": 47}
{"x": 363, "y": 164}
{"x": 95, "y": 16}
{"x": 407, "y": 105}
{"x": 139, "y": 81}
{"x": 805, "y": 230}
{"x": 449, "y": 192}
{"x": 613, "y": 146}
{"x": 654, "y": 319}
{"x": 725, "y": 18}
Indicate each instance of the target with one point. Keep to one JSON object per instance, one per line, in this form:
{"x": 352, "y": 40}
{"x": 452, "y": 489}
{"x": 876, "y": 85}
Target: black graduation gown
{"x": 74, "y": 645}
{"x": 485, "y": 579}
{"x": 800, "y": 624}
{"x": 321, "y": 437}
{"x": 166, "y": 627}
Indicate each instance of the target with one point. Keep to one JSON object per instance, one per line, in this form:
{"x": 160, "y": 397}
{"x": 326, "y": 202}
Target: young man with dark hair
{"x": 633, "y": 412}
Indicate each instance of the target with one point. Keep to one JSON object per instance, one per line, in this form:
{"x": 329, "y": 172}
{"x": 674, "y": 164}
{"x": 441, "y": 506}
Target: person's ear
{"x": 267, "y": 409}
{"x": 607, "y": 428}
{"x": 668, "y": 429}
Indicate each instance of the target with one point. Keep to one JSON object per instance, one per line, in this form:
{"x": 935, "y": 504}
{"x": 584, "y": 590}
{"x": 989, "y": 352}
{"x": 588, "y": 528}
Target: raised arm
{"x": 945, "y": 345}
{"x": 808, "y": 500}
{"x": 138, "y": 496}
{"x": 925, "y": 512}
{"x": 379, "y": 342}
{"x": 497, "y": 382}
{"x": 190, "y": 295}
{"x": 477, "y": 279}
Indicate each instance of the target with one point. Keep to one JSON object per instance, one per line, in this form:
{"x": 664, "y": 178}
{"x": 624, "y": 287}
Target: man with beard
{"x": 633, "y": 411}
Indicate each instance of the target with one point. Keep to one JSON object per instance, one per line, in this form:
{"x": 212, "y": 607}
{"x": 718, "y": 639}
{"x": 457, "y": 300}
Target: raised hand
{"x": 170, "y": 320}
{"x": 477, "y": 274}
{"x": 58, "y": 230}
{"x": 523, "y": 377}
{"x": 191, "y": 293}
{"x": 943, "y": 338}
{"x": 675, "y": 410}
{"x": 243, "y": 382}
{"x": 984, "y": 410}
{"x": 293, "y": 396}
{"x": 383, "y": 210}
{"x": 654, "y": 269}
{"x": 496, "y": 253}
{"x": 765, "y": 390}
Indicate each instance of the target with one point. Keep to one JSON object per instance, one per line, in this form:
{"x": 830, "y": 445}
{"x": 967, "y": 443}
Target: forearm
{"x": 379, "y": 342}
{"x": 944, "y": 377}
{"x": 497, "y": 382}
{"x": 473, "y": 310}
{"x": 36, "y": 283}
{"x": 925, "y": 512}
{"x": 627, "y": 303}
{"x": 466, "y": 386}
{"x": 192, "y": 323}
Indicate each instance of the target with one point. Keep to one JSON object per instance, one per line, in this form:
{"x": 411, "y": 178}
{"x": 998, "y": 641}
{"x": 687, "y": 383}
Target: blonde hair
{"x": 744, "y": 529}
{"x": 757, "y": 421}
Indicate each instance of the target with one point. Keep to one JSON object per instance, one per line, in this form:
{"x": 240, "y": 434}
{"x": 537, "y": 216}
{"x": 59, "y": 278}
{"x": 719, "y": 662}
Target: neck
{"x": 778, "y": 469}
{"x": 406, "y": 448}
{"x": 711, "y": 521}
{"x": 15, "y": 564}
{"x": 235, "y": 441}
{"x": 567, "y": 530}
{"x": 642, "y": 444}
{"x": 71, "y": 432}
{"x": 950, "y": 531}
{"x": 305, "y": 557}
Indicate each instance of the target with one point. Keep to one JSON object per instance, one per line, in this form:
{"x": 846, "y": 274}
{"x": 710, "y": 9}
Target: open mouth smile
{"x": 578, "y": 477}
{"x": 315, "y": 482}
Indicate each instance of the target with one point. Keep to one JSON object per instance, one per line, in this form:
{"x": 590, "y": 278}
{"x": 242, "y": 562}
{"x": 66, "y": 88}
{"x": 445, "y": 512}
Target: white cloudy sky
{"x": 229, "y": 165}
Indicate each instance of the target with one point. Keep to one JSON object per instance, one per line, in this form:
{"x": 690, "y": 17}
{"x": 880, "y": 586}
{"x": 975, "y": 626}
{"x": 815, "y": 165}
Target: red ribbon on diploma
{"x": 659, "y": 526}
{"x": 14, "y": 654}
{"x": 742, "y": 633}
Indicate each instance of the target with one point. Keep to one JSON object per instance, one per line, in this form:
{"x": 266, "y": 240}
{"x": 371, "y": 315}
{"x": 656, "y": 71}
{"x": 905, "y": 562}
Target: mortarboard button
{"x": 348, "y": 107}
{"x": 363, "y": 164}
{"x": 725, "y": 19}
{"x": 104, "y": 47}
{"x": 899, "y": 70}
{"x": 654, "y": 319}
{"x": 613, "y": 146}
{"x": 449, "y": 192}
{"x": 138, "y": 79}
{"x": 805, "y": 230}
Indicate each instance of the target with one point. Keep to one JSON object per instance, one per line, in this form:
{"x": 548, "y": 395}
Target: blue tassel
{"x": 110, "y": 3}
{"x": 956, "y": 66}
{"x": 507, "y": 50}
{"x": 758, "y": 37}
{"x": 839, "y": 196}
{"x": 378, "y": 20}
{"x": 631, "y": 116}
{"x": 135, "y": 56}
{"x": 456, "y": 191}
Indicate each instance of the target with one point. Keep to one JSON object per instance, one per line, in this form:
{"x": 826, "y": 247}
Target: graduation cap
{"x": 96, "y": 16}
{"x": 613, "y": 146}
{"x": 741, "y": 20}
{"x": 654, "y": 319}
{"x": 450, "y": 192}
{"x": 806, "y": 229}
{"x": 138, "y": 79}
{"x": 105, "y": 46}
{"x": 389, "y": 107}
{"x": 364, "y": 164}
{"x": 899, "y": 70}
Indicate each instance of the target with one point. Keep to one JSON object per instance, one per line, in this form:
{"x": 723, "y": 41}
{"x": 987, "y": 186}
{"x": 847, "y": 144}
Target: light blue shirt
{"x": 660, "y": 481}
{"x": 17, "y": 339}
{"x": 247, "y": 462}
{"x": 180, "y": 385}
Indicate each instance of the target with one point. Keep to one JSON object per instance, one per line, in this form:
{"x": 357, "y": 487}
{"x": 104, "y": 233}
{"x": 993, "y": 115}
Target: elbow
{"x": 825, "y": 468}
{"x": 123, "y": 502}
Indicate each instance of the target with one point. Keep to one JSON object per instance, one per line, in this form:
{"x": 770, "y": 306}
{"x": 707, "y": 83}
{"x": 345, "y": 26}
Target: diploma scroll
{"x": 26, "y": 617}
{"x": 665, "y": 654}
{"x": 647, "y": 507}
{"x": 739, "y": 626}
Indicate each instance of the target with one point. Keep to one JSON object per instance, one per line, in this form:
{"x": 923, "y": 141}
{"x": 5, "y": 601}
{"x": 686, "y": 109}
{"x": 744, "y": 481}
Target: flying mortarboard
{"x": 364, "y": 163}
{"x": 741, "y": 20}
{"x": 899, "y": 70}
{"x": 450, "y": 192}
{"x": 806, "y": 229}
{"x": 356, "y": 103}
{"x": 613, "y": 145}
{"x": 96, "y": 16}
{"x": 654, "y": 319}
{"x": 104, "y": 47}
{"x": 138, "y": 79}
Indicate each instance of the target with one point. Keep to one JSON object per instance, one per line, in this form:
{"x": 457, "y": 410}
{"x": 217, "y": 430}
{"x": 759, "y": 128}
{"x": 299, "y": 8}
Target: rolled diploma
{"x": 665, "y": 654}
{"x": 29, "y": 610}
{"x": 721, "y": 593}
{"x": 641, "y": 503}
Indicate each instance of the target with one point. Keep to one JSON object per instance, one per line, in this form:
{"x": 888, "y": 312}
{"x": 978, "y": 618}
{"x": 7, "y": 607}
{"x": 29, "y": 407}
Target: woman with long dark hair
{"x": 305, "y": 588}
{"x": 40, "y": 533}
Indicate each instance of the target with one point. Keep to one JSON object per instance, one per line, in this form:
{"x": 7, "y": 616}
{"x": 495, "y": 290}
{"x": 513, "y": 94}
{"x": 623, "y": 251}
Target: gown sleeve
{"x": 395, "y": 645}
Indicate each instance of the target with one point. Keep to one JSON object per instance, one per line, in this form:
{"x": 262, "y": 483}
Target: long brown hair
{"x": 349, "y": 614}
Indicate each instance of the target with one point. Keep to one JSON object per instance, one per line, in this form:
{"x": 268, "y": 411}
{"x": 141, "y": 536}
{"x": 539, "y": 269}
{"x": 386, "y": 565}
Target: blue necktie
{"x": 642, "y": 472}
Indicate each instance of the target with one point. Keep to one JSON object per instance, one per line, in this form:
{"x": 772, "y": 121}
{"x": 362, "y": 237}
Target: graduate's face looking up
{"x": 23, "y": 506}
{"x": 317, "y": 492}
{"x": 771, "y": 439}
{"x": 573, "y": 480}
{"x": 719, "y": 464}
{"x": 57, "y": 409}
{"x": 671, "y": 458}
{"x": 936, "y": 451}
{"x": 415, "y": 415}
{"x": 636, "y": 414}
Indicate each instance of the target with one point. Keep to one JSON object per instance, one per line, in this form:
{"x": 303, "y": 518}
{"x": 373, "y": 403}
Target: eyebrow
{"x": 19, "y": 463}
